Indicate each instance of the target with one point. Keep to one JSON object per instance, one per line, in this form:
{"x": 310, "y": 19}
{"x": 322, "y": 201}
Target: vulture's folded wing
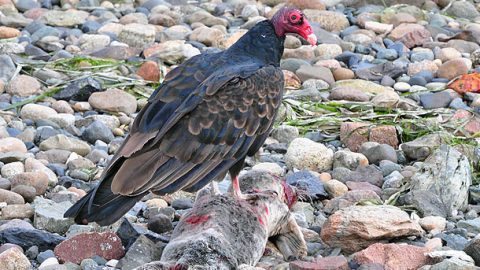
{"x": 195, "y": 127}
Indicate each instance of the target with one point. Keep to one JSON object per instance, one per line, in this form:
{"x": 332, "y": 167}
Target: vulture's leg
{"x": 237, "y": 193}
{"x": 234, "y": 171}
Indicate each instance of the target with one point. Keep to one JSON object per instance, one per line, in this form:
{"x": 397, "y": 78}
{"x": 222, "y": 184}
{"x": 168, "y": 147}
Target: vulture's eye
{"x": 294, "y": 17}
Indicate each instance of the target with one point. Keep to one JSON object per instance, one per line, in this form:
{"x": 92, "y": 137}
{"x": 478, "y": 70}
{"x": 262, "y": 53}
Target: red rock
{"x": 356, "y": 227}
{"x": 327, "y": 263}
{"x": 393, "y": 256}
{"x": 473, "y": 126}
{"x": 410, "y": 34}
{"x": 86, "y": 245}
{"x": 149, "y": 71}
{"x": 384, "y": 134}
{"x": 354, "y": 134}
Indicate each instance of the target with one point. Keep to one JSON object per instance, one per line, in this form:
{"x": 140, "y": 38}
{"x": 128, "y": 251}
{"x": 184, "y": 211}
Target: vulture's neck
{"x": 260, "y": 42}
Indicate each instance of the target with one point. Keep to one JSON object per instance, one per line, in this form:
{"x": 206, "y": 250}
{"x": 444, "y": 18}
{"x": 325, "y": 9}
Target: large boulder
{"x": 440, "y": 187}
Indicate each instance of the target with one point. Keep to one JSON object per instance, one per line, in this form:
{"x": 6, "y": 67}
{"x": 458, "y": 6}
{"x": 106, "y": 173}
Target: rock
{"x": 270, "y": 167}
{"x": 86, "y": 245}
{"x": 10, "y": 197}
{"x": 471, "y": 226}
{"x": 65, "y": 19}
{"x": 63, "y": 142}
{"x": 160, "y": 224}
{"x": 328, "y": 51}
{"x": 425, "y": 65}
{"x": 446, "y": 176}
{"x": 363, "y": 186}
{"x": 393, "y": 256}
{"x": 12, "y": 145}
{"x": 463, "y": 10}
{"x": 172, "y": 51}
{"x": 326, "y": 263}
{"x": 37, "y": 180}
{"x": 8, "y": 32}
{"x": 376, "y": 152}
{"x": 137, "y": 35}
{"x": 308, "y": 183}
{"x": 285, "y": 133}
{"x": 452, "y": 68}
{"x": 362, "y": 85}
{"x": 211, "y": 37}
{"x": 335, "y": 188}
{"x": 24, "y": 86}
{"x": 347, "y": 93}
{"x": 303, "y": 153}
{"x": 13, "y": 259}
{"x": 182, "y": 203}
{"x": 36, "y": 112}
{"x": 368, "y": 174}
{"x": 446, "y": 54}
{"x": 51, "y": 263}
{"x": 354, "y": 134}
{"x": 473, "y": 249}
{"x": 8, "y": 68}
{"x": 27, "y": 237}
{"x": 79, "y": 90}
{"x": 436, "y": 100}
{"x": 410, "y": 35}
{"x": 389, "y": 100}
{"x": 350, "y": 160}
{"x": 142, "y": 250}
{"x": 16, "y": 211}
{"x": 49, "y": 216}
{"x": 422, "y": 147}
{"x": 433, "y": 223}
{"x": 205, "y": 18}
{"x": 315, "y": 72}
{"x": 97, "y": 131}
{"x": 149, "y": 71}
{"x": 329, "y": 20}
{"x": 113, "y": 100}
{"x": 343, "y": 74}
{"x": 44, "y": 255}
{"x": 356, "y": 227}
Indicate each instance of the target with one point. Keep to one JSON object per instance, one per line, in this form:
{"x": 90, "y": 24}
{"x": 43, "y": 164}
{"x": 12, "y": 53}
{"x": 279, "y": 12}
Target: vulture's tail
{"x": 100, "y": 205}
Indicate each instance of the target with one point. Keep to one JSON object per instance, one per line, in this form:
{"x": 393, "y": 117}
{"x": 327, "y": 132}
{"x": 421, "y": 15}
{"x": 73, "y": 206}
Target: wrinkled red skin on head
{"x": 291, "y": 20}
{"x": 290, "y": 194}
{"x": 194, "y": 220}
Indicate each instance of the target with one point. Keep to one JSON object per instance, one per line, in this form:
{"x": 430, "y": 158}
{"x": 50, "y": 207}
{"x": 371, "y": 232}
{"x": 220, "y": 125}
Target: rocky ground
{"x": 370, "y": 127}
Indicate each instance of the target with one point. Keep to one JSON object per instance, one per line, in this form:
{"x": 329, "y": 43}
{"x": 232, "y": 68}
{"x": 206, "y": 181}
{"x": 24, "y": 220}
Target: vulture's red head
{"x": 292, "y": 20}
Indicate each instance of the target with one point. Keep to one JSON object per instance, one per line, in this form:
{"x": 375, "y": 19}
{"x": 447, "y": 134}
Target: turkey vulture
{"x": 209, "y": 113}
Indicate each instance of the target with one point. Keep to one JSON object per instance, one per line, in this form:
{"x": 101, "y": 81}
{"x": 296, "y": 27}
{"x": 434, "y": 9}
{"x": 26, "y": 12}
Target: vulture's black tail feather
{"x": 100, "y": 205}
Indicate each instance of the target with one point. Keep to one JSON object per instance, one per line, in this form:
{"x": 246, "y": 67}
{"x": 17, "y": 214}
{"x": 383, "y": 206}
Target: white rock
{"x": 303, "y": 153}
{"x": 49, "y": 263}
{"x": 270, "y": 167}
{"x": 36, "y": 112}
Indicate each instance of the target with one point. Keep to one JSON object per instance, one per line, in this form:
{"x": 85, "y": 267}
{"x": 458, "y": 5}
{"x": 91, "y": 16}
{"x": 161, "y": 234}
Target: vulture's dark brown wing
{"x": 185, "y": 136}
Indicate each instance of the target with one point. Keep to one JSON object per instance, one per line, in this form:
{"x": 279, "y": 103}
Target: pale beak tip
{"x": 312, "y": 39}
